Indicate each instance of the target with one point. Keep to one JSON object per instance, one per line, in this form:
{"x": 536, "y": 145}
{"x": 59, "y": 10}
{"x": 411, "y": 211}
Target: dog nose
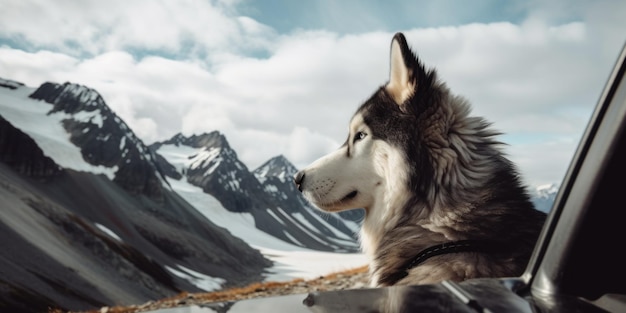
{"x": 298, "y": 179}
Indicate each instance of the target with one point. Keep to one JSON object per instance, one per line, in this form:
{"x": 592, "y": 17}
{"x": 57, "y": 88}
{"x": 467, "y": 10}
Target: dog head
{"x": 411, "y": 138}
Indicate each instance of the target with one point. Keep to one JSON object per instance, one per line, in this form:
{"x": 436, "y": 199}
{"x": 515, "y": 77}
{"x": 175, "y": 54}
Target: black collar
{"x": 481, "y": 246}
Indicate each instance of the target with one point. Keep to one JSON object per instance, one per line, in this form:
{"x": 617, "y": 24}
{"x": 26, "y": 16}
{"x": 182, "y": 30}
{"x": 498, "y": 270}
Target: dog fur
{"x": 426, "y": 172}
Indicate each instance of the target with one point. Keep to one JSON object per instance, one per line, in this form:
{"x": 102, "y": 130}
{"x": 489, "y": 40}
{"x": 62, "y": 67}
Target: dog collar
{"x": 481, "y": 246}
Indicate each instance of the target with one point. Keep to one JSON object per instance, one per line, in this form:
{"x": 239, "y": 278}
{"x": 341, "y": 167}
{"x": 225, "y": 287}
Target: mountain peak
{"x": 206, "y": 140}
{"x": 543, "y": 196}
{"x": 278, "y": 166}
{"x": 547, "y": 190}
{"x": 103, "y": 139}
{"x": 280, "y": 159}
{"x": 212, "y": 139}
{"x": 69, "y": 97}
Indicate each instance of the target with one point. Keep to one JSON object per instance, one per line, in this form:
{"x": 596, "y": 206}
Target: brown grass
{"x": 232, "y": 293}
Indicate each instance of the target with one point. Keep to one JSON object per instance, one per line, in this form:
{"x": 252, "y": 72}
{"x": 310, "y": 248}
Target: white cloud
{"x": 537, "y": 79}
{"x": 543, "y": 162}
{"x": 35, "y": 68}
{"x": 304, "y": 144}
{"x": 193, "y": 26}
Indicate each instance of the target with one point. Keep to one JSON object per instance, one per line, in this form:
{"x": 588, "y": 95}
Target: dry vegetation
{"x": 350, "y": 279}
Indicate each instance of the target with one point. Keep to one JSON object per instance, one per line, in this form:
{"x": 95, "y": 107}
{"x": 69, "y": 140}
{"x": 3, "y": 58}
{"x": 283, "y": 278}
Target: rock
{"x": 22, "y": 154}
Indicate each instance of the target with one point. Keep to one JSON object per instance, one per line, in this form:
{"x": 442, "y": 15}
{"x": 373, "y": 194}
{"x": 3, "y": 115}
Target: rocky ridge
{"x": 103, "y": 137}
{"x": 267, "y": 194}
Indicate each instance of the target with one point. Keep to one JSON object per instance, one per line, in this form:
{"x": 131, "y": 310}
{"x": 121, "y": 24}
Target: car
{"x": 579, "y": 261}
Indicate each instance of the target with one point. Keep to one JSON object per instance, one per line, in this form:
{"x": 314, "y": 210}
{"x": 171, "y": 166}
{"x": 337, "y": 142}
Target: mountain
{"x": 543, "y": 196}
{"x": 87, "y": 216}
{"x": 103, "y": 138}
{"x": 214, "y": 166}
{"x": 267, "y": 195}
{"x": 276, "y": 176}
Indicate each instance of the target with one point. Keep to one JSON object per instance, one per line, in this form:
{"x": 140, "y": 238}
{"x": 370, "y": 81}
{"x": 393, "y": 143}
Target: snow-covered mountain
{"x": 91, "y": 216}
{"x": 268, "y": 194}
{"x": 87, "y": 219}
{"x": 102, "y": 137}
{"x": 543, "y": 196}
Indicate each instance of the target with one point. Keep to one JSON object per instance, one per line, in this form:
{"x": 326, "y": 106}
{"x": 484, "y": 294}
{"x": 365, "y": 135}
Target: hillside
{"x": 91, "y": 216}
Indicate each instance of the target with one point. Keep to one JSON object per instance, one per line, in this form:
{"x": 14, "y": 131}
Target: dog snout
{"x": 298, "y": 179}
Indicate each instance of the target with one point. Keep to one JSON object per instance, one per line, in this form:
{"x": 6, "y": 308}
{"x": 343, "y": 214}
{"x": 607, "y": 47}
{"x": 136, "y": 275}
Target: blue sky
{"x": 284, "y": 77}
{"x": 353, "y": 16}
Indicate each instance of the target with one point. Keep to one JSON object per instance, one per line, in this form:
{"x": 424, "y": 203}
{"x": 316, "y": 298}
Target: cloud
{"x": 543, "y": 162}
{"x": 534, "y": 79}
{"x": 304, "y": 143}
{"x": 35, "y": 68}
{"x": 195, "y": 27}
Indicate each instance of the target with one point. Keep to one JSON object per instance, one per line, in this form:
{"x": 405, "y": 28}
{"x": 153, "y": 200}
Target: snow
{"x": 291, "y": 238}
{"x": 183, "y": 157}
{"x": 178, "y": 156}
{"x": 271, "y": 188}
{"x": 303, "y": 220}
{"x": 290, "y": 261}
{"x": 337, "y": 233}
{"x": 109, "y": 232}
{"x": 29, "y": 115}
{"x": 94, "y": 117}
{"x": 105, "y": 138}
{"x": 123, "y": 143}
{"x": 312, "y": 235}
{"x": 233, "y": 181}
{"x": 187, "y": 309}
{"x": 204, "y": 282}
{"x": 204, "y": 156}
{"x": 283, "y": 176}
{"x": 276, "y": 217}
{"x": 547, "y": 190}
{"x": 309, "y": 264}
{"x": 262, "y": 172}
{"x": 354, "y": 226}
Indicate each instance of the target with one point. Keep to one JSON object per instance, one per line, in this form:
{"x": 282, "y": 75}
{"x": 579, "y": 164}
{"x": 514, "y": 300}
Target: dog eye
{"x": 358, "y": 136}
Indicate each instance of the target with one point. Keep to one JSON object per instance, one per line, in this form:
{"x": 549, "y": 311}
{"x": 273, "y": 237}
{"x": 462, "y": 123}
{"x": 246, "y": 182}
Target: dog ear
{"x": 401, "y": 81}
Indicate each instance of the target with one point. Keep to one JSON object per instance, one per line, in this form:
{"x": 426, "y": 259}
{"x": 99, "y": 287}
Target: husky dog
{"x": 441, "y": 200}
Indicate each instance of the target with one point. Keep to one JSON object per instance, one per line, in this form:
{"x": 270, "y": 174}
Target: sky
{"x": 284, "y": 77}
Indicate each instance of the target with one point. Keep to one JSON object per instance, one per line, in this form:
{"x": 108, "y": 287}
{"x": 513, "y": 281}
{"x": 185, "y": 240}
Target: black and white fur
{"x": 426, "y": 172}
